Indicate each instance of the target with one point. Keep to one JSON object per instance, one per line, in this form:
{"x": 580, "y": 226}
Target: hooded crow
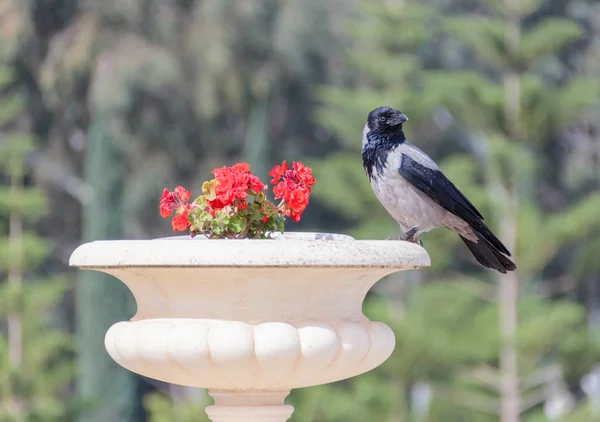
{"x": 415, "y": 192}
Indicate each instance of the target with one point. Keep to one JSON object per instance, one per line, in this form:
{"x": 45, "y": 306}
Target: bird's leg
{"x": 416, "y": 240}
{"x": 409, "y": 236}
{"x": 412, "y": 239}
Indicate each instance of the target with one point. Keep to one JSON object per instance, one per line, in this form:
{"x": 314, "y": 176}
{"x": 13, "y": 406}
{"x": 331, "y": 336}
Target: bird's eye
{"x": 382, "y": 118}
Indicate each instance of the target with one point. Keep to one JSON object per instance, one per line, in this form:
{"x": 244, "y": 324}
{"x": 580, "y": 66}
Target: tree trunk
{"x": 15, "y": 278}
{"x": 509, "y": 298}
{"x": 102, "y": 300}
{"x": 510, "y": 394}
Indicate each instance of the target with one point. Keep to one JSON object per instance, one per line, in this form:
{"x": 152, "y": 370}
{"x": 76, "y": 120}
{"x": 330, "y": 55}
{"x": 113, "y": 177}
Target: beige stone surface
{"x": 250, "y": 319}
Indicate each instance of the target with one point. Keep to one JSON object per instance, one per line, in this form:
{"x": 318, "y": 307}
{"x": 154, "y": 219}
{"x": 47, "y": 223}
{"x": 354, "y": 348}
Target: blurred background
{"x": 105, "y": 103}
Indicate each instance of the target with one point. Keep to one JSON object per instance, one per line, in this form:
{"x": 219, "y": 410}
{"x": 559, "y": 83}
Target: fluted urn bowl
{"x": 250, "y": 319}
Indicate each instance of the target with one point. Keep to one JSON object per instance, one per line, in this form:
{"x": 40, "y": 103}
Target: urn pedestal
{"x": 250, "y": 319}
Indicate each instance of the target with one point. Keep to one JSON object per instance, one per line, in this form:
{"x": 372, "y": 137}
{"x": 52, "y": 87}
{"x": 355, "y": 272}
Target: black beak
{"x": 398, "y": 119}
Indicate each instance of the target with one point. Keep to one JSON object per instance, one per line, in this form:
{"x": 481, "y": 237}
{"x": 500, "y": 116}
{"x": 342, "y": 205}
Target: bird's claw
{"x": 413, "y": 239}
{"x": 409, "y": 236}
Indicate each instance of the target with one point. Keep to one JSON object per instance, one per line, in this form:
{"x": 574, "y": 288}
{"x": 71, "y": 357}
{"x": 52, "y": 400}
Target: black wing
{"x": 438, "y": 187}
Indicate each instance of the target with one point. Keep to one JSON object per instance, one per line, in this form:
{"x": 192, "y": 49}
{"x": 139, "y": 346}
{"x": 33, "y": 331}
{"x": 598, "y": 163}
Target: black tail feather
{"x": 483, "y": 232}
{"x": 488, "y": 255}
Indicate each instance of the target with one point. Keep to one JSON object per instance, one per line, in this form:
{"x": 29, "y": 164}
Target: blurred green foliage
{"x": 161, "y": 409}
{"x": 36, "y": 353}
{"x": 126, "y": 98}
{"x": 500, "y": 93}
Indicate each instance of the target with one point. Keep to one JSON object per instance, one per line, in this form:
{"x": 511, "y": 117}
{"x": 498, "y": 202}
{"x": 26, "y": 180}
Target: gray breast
{"x": 405, "y": 203}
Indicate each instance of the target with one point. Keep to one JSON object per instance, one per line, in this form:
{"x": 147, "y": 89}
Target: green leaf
{"x": 208, "y": 189}
{"x": 201, "y": 201}
{"x": 219, "y": 223}
{"x": 256, "y": 213}
{"x": 237, "y": 224}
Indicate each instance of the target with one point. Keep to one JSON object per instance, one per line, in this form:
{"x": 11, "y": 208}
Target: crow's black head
{"x": 384, "y": 133}
{"x": 385, "y": 119}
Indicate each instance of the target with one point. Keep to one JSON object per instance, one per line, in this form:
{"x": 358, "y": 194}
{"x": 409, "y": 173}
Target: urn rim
{"x": 296, "y": 250}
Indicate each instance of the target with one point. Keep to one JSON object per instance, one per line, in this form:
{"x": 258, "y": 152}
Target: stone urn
{"x": 250, "y": 319}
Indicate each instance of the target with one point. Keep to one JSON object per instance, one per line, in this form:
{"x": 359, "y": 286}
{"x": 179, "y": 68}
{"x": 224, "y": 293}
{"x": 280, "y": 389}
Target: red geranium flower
{"x": 173, "y": 200}
{"x": 293, "y": 186}
{"x": 280, "y": 190}
{"x": 255, "y": 184}
{"x": 299, "y": 176}
{"x": 304, "y": 174}
{"x": 278, "y": 171}
{"x": 182, "y": 193}
{"x": 228, "y": 194}
{"x": 167, "y": 202}
{"x": 298, "y": 201}
{"x": 181, "y": 222}
{"x": 233, "y": 186}
{"x": 177, "y": 201}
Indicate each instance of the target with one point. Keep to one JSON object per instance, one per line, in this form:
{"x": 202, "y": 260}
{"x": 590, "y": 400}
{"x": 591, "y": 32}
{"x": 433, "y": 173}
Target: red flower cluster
{"x": 234, "y": 204}
{"x": 176, "y": 200}
{"x": 233, "y": 184}
{"x": 293, "y": 186}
